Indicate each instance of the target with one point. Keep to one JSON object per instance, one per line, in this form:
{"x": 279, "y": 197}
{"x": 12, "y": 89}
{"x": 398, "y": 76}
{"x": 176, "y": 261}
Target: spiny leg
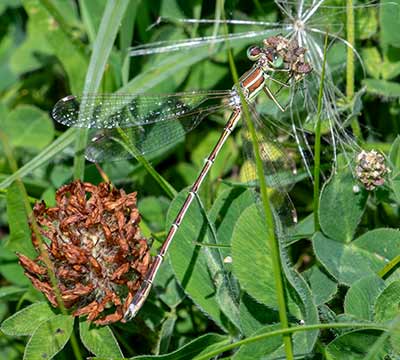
{"x": 283, "y": 84}
{"x": 269, "y": 93}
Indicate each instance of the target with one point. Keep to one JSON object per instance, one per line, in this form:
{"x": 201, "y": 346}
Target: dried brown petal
{"x": 88, "y": 309}
{"x": 95, "y": 265}
{"x": 109, "y": 319}
{"x": 44, "y": 287}
{"x": 31, "y": 266}
{"x": 74, "y": 254}
{"x": 123, "y": 269}
{"x": 67, "y": 273}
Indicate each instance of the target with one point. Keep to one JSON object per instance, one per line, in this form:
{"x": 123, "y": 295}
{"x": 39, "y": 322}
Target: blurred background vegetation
{"x": 46, "y": 47}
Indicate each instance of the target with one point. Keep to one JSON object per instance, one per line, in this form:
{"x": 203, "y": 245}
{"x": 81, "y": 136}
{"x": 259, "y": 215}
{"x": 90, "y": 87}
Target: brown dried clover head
{"x": 95, "y": 247}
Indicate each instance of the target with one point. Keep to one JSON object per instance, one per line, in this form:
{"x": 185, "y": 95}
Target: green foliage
{"x": 19, "y": 229}
{"x": 196, "y": 268}
{"x": 195, "y": 348}
{"x": 28, "y": 127}
{"x": 216, "y": 290}
{"x": 385, "y": 88}
{"x": 340, "y": 202}
{"x": 362, "y": 257}
{"x": 26, "y": 321}
{"x": 387, "y": 304}
{"x": 99, "y": 341}
{"x": 389, "y": 19}
{"x": 247, "y": 265}
{"x": 49, "y": 338}
{"x": 355, "y": 345}
{"x": 361, "y": 297}
{"x": 322, "y": 286}
{"x": 259, "y": 349}
{"x": 394, "y": 157}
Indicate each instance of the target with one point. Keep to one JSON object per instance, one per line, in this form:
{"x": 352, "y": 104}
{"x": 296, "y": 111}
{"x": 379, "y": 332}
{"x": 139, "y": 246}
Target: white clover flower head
{"x": 371, "y": 169}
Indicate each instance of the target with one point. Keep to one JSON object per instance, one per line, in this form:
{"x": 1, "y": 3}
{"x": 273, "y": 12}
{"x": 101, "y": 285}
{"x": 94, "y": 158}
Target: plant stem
{"x": 389, "y": 267}
{"x": 350, "y": 54}
{"x": 291, "y": 330}
{"x": 317, "y": 148}
{"x": 131, "y": 148}
{"x": 79, "y": 159}
{"x": 350, "y": 64}
{"x": 270, "y": 231}
{"x": 126, "y": 33}
{"x": 269, "y": 219}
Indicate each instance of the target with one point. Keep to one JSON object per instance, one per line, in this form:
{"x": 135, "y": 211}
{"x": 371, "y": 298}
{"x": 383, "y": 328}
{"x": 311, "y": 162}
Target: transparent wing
{"x": 305, "y": 15}
{"x": 279, "y": 170}
{"x": 123, "y": 126}
{"x": 235, "y": 40}
{"x": 166, "y": 19}
{"x": 125, "y": 143}
{"x": 107, "y": 111}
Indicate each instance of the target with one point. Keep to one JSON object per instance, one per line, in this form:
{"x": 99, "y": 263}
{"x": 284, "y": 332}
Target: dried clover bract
{"x": 98, "y": 254}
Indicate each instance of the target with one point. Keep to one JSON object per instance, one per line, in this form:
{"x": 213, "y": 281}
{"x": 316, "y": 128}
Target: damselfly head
{"x": 268, "y": 58}
{"x": 275, "y": 60}
{"x": 254, "y": 53}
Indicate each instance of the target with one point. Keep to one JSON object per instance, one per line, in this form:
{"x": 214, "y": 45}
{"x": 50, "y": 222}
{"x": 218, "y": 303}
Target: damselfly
{"x": 307, "y": 21}
{"x": 151, "y": 122}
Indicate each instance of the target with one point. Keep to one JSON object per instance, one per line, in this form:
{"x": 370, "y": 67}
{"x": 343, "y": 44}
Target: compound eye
{"x": 277, "y": 61}
{"x": 254, "y": 53}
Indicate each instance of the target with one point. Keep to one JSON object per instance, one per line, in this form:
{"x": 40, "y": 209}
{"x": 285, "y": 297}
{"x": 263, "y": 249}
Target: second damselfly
{"x": 151, "y": 123}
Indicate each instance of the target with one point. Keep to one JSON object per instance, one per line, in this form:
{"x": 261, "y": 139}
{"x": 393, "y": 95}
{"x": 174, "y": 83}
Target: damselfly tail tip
{"x": 131, "y": 312}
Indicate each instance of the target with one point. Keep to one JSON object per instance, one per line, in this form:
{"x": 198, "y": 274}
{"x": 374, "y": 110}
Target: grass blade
{"x": 317, "y": 148}
{"x": 110, "y": 22}
{"x": 269, "y": 219}
{"x": 57, "y": 146}
{"x": 350, "y": 29}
